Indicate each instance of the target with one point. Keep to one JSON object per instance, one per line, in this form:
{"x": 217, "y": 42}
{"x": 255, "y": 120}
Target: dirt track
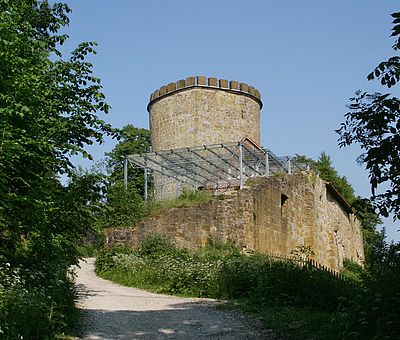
{"x": 111, "y": 311}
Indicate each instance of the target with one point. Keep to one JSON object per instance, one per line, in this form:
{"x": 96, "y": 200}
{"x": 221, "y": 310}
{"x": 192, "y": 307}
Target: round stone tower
{"x": 199, "y": 111}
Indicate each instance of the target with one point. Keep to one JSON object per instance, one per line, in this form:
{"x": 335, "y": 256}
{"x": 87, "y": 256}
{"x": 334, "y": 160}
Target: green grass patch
{"x": 292, "y": 322}
{"x": 186, "y": 199}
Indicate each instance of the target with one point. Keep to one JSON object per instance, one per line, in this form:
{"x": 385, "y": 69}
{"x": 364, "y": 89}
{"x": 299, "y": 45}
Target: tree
{"x": 373, "y": 123}
{"x": 133, "y": 141}
{"x": 328, "y": 173}
{"x": 124, "y": 207}
{"x": 49, "y": 111}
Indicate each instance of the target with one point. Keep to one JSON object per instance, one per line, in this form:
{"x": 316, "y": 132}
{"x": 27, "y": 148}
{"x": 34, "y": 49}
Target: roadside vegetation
{"x": 299, "y": 302}
{"x": 50, "y": 108}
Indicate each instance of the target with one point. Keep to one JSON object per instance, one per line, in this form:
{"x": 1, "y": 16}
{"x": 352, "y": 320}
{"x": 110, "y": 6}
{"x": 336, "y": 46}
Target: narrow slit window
{"x": 284, "y": 204}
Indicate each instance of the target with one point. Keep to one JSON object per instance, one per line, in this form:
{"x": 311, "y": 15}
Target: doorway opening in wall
{"x": 284, "y": 205}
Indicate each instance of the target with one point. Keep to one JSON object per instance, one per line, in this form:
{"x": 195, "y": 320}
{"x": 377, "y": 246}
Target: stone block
{"x": 171, "y": 87}
{"x": 244, "y": 87}
{"x": 201, "y": 80}
{"x": 234, "y": 85}
{"x": 180, "y": 84}
{"x": 190, "y": 81}
{"x": 223, "y": 83}
{"x": 212, "y": 81}
{"x": 163, "y": 90}
{"x": 252, "y": 90}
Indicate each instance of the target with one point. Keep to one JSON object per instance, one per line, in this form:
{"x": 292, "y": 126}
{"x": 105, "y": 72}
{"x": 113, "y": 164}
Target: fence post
{"x": 126, "y": 173}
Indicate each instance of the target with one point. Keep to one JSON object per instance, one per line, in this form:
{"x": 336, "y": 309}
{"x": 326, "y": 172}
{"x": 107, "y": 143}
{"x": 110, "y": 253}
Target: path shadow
{"x": 191, "y": 320}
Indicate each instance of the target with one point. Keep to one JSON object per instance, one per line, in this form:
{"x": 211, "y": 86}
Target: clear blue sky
{"x": 307, "y": 58}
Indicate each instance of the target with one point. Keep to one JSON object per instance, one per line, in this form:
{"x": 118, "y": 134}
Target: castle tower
{"x": 200, "y": 111}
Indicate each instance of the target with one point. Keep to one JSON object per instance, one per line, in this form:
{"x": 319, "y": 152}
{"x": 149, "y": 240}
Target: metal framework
{"x": 216, "y": 166}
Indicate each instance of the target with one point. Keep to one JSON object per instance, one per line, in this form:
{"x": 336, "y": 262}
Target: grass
{"x": 291, "y": 322}
{"x": 186, "y": 199}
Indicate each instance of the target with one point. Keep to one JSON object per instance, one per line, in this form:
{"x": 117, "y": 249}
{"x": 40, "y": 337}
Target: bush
{"x": 374, "y": 311}
{"x": 105, "y": 258}
{"x": 219, "y": 270}
{"x": 158, "y": 245}
{"x": 35, "y": 305}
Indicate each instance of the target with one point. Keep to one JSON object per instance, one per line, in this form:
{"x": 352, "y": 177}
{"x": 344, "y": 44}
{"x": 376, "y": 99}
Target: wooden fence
{"x": 308, "y": 263}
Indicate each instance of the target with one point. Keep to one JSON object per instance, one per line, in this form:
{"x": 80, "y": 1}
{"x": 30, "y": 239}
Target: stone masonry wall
{"x": 203, "y": 116}
{"x": 271, "y": 215}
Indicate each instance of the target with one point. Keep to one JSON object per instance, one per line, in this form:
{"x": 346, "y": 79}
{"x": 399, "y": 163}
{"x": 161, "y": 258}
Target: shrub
{"x": 373, "y": 312}
{"x": 105, "y": 257}
{"x": 157, "y": 245}
{"x": 35, "y": 305}
{"x": 219, "y": 270}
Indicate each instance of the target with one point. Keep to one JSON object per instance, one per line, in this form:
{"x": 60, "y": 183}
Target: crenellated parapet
{"x": 232, "y": 86}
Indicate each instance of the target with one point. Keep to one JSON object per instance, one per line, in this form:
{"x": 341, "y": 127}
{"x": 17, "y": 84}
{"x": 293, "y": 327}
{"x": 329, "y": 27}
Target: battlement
{"x": 232, "y": 86}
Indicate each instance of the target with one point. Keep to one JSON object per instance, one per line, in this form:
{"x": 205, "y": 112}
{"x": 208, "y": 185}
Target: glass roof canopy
{"x": 213, "y": 166}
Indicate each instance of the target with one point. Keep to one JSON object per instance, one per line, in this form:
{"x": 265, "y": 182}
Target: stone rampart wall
{"x": 271, "y": 215}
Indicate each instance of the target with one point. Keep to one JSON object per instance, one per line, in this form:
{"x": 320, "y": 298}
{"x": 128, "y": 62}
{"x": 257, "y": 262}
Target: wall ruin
{"x": 270, "y": 215}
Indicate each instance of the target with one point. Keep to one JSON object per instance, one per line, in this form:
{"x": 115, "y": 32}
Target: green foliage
{"x": 373, "y": 124}
{"x": 134, "y": 141}
{"x": 123, "y": 207}
{"x": 300, "y": 302}
{"x": 292, "y": 322}
{"x": 186, "y": 199}
{"x": 329, "y": 173}
{"x": 156, "y": 246}
{"x": 302, "y": 252}
{"x": 104, "y": 260}
{"x": 352, "y": 270}
{"x": 373, "y": 312}
{"x": 221, "y": 271}
{"x": 49, "y": 110}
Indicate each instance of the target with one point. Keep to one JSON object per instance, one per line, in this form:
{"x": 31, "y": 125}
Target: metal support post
{"x": 266, "y": 164}
{"x": 126, "y": 174}
{"x": 241, "y": 166}
{"x": 145, "y": 184}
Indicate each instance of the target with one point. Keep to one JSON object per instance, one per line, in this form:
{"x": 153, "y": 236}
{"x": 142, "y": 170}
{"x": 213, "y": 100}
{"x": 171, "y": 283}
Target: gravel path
{"x": 111, "y": 311}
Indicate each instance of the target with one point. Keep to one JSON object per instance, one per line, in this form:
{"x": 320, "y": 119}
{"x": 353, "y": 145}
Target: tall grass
{"x": 221, "y": 271}
{"x": 298, "y": 302}
{"x": 186, "y": 199}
